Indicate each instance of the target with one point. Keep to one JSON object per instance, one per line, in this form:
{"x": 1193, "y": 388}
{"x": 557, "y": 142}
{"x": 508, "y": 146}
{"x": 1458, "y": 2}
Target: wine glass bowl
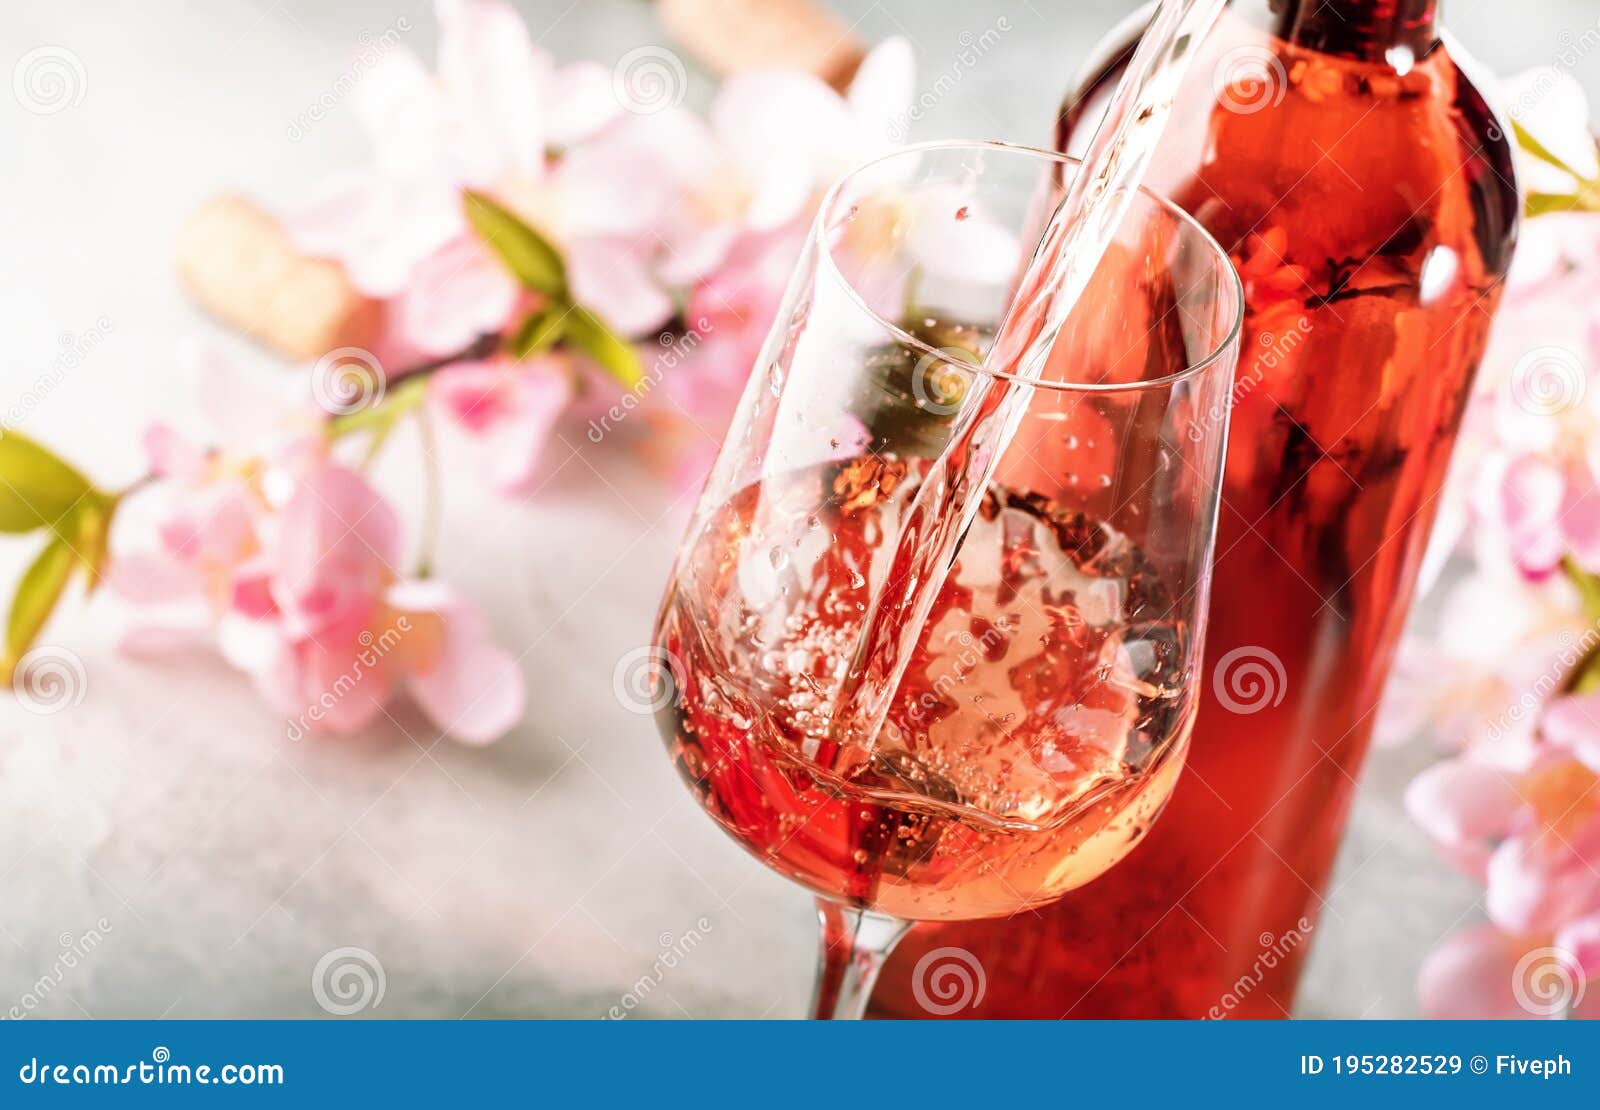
{"x": 942, "y": 739}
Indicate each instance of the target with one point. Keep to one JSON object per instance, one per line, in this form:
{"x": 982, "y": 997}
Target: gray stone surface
{"x": 546, "y": 875}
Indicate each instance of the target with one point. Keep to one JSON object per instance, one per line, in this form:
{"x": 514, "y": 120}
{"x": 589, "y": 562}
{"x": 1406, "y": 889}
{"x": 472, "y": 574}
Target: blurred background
{"x": 563, "y": 871}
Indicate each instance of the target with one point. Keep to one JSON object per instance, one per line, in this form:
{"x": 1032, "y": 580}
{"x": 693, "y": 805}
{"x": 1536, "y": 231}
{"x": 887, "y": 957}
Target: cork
{"x": 237, "y": 262}
{"x": 731, "y": 36}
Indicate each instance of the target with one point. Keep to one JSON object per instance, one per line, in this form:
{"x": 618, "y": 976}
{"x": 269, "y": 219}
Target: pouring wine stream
{"x": 1068, "y": 252}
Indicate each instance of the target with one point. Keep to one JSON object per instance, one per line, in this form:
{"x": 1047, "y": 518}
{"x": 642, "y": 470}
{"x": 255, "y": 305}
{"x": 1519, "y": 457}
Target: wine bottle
{"x": 1360, "y": 182}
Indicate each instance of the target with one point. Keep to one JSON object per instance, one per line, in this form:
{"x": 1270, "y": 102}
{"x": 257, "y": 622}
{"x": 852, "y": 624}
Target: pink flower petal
{"x": 581, "y": 103}
{"x": 1530, "y": 506}
{"x": 1469, "y": 976}
{"x": 252, "y": 591}
{"x": 338, "y": 542}
{"x": 1465, "y": 807}
{"x": 1536, "y": 880}
{"x": 494, "y": 78}
{"x": 612, "y": 280}
{"x": 1582, "y": 939}
{"x": 456, "y": 294}
{"x": 612, "y": 188}
{"x": 1580, "y": 521}
{"x": 471, "y": 689}
{"x": 506, "y": 410}
{"x": 1573, "y": 723}
{"x": 399, "y": 107}
{"x": 170, "y": 455}
{"x": 882, "y": 88}
{"x": 380, "y": 228}
{"x": 336, "y": 694}
{"x": 146, "y": 579}
{"x": 784, "y": 129}
{"x": 695, "y": 247}
{"x": 210, "y": 526}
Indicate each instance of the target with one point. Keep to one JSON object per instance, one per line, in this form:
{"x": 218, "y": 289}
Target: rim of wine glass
{"x": 901, "y": 335}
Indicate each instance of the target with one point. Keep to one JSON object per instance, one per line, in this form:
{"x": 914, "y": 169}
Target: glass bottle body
{"x": 1364, "y": 191}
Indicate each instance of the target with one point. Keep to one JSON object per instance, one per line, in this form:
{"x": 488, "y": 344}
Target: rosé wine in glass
{"x": 1043, "y": 683}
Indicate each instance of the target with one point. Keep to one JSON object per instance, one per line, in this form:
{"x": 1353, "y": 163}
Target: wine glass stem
{"x": 855, "y": 944}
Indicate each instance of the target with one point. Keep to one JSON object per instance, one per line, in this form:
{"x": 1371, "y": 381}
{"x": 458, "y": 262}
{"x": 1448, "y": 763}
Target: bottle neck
{"x": 1367, "y": 29}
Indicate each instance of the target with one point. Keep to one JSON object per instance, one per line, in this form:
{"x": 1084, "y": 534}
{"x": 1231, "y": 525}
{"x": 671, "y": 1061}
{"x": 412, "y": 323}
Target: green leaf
{"x": 539, "y": 331}
{"x": 588, "y": 333}
{"x": 93, "y": 534}
{"x": 528, "y": 255}
{"x": 1586, "y": 199}
{"x": 1541, "y": 203}
{"x": 41, "y": 587}
{"x": 1534, "y": 147}
{"x": 380, "y": 419}
{"x": 37, "y": 487}
{"x": 1587, "y": 585}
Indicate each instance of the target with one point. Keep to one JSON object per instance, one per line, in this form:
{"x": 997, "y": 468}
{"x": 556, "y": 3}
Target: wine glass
{"x": 920, "y": 717}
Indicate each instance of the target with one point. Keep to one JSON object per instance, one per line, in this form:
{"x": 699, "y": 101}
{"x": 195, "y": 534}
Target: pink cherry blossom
{"x": 1528, "y": 825}
{"x": 456, "y": 294}
{"x": 287, "y": 563}
{"x": 1482, "y": 972}
{"x": 179, "y": 542}
{"x": 1523, "y": 468}
{"x": 487, "y": 119}
{"x": 504, "y": 411}
{"x": 1534, "y": 442}
{"x": 1485, "y": 693}
{"x": 650, "y": 211}
{"x": 1538, "y": 846}
{"x": 330, "y": 629}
